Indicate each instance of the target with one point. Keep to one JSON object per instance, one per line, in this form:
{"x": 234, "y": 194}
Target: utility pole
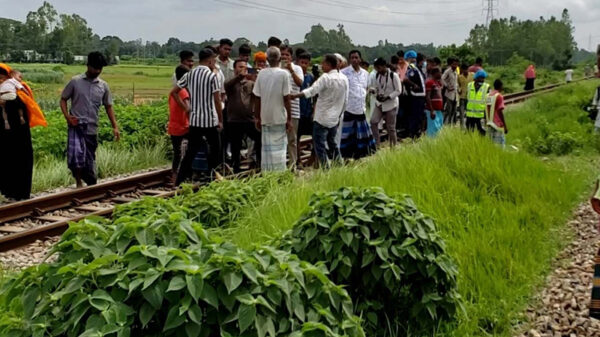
{"x": 491, "y": 8}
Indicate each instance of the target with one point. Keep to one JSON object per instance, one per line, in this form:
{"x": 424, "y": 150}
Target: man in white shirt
{"x": 569, "y": 75}
{"x": 296, "y": 79}
{"x": 357, "y": 139}
{"x": 332, "y": 88}
{"x": 387, "y": 89}
{"x": 273, "y": 111}
{"x": 450, "y": 82}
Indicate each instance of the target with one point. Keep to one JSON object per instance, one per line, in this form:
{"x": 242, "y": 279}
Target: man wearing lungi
{"x": 273, "y": 112}
{"x": 87, "y": 93}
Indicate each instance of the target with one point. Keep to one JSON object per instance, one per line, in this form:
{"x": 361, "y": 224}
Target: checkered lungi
{"x": 274, "y": 148}
{"x": 357, "y": 139}
{"x": 81, "y": 152}
{"x": 497, "y": 136}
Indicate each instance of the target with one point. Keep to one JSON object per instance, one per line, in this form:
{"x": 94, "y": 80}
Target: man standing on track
{"x": 477, "y": 93}
{"x": 450, "y": 82}
{"x": 273, "y": 112}
{"x": 296, "y": 80}
{"x": 357, "y": 140}
{"x": 332, "y": 88}
{"x": 87, "y": 93}
{"x": 206, "y": 114}
{"x": 415, "y": 83}
{"x": 240, "y": 114}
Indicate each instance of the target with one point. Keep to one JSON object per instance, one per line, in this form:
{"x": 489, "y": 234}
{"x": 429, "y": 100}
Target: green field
{"x": 142, "y": 82}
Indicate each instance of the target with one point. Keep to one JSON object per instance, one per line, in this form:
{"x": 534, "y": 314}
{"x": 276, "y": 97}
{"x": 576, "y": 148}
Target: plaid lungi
{"x": 497, "y": 136}
{"x": 81, "y": 152}
{"x": 357, "y": 140}
{"x": 274, "y": 148}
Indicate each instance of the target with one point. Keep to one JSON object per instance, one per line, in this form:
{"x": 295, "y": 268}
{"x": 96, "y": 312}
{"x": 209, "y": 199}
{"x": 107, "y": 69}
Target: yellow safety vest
{"x": 477, "y": 100}
{"x": 491, "y": 102}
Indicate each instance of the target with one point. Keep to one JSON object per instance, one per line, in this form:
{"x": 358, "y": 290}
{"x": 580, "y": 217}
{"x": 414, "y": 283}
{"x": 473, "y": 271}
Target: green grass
{"x": 52, "y": 172}
{"x": 499, "y": 211}
{"x": 560, "y": 113}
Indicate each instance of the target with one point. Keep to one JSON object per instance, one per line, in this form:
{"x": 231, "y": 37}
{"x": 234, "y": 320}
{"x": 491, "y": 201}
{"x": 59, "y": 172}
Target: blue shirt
{"x": 306, "y": 104}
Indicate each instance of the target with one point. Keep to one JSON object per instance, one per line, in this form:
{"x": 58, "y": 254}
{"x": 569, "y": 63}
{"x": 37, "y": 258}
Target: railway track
{"x": 522, "y": 96}
{"x": 52, "y": 213}
{"x": 101, "y": 199}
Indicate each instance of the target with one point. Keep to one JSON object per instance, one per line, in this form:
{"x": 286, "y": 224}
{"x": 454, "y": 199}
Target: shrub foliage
{"x": 166, "y": 277}
{"x": 388, "y": 254}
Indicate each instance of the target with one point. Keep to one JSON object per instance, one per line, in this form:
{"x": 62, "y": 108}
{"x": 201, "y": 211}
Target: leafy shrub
{"x": 166, "y": 277}
{"x": 388, "y": 254}
{"x": 215, "y": 205}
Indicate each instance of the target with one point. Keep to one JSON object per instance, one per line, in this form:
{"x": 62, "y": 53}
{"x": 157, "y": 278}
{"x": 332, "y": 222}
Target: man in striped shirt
{"x": 205, "y": 112}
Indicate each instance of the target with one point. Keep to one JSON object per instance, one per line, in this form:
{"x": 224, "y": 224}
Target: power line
{"x": 278, "y": 10}
{"x": 348, "y": 5}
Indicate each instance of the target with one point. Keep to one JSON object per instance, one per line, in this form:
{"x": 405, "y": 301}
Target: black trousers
{"x": 176, "y": 141}
{"x": 530, "y": 84}
{"x": 416, "y": 116}
{"x": 475, "y": 123}
{"x": 237, "y": 131}
{"x": 196, "y": 137}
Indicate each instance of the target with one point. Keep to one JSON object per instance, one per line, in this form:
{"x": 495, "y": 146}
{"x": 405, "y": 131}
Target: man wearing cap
{"x": 87, "y": 93}
{"x": 477, "y": 93}
{"x": 415, "y": 83}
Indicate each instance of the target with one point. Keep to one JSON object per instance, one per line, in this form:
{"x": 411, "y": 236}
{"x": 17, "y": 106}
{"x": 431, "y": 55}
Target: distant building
{"x": 32, "y": 55}
{"x": 79, "y": 58}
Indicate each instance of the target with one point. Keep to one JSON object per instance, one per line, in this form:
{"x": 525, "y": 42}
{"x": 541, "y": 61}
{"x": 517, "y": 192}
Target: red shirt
{"x": 498, "y": 109}
{"x": 434, "y": 91}
{"x": 179, "y": 122}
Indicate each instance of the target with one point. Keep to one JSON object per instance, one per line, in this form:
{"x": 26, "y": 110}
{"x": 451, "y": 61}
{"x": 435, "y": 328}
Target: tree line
{"x": 49, "y": 36}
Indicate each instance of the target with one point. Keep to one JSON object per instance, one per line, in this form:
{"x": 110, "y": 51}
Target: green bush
{"x": 388, "y": 254}
{"x": 136, "y": 276}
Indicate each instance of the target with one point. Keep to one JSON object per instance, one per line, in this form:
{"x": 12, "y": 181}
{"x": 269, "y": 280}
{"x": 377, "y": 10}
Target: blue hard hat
{"x": 480, "y": 74}
{"x": 411, "y": 54}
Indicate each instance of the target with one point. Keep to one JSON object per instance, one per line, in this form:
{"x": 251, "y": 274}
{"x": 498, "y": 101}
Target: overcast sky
{"x": 366, "y": 21}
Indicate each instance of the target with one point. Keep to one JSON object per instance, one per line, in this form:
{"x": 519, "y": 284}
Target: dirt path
{"x": 561, "y": 309}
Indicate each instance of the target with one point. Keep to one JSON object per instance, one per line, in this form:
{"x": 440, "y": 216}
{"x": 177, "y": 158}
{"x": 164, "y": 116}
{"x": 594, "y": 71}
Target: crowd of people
{"x": 261, "y": 104}
{"x": 271, "y": 99}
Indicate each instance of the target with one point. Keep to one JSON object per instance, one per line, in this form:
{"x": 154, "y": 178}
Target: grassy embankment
{"x": 499, "y": 211}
